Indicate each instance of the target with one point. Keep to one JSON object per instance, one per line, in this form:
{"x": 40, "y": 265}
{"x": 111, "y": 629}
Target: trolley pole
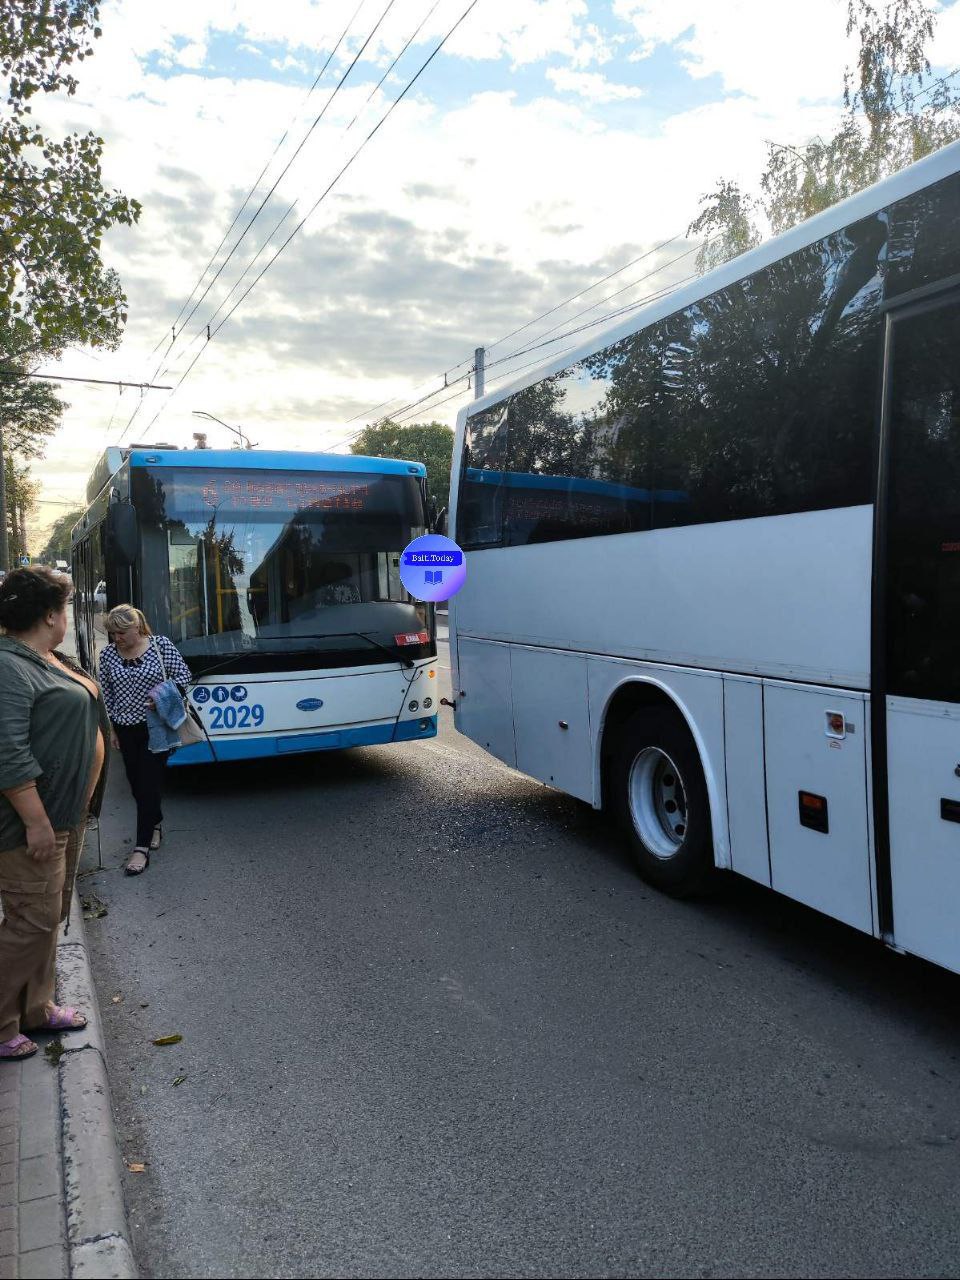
{"x": 478, "y": 378}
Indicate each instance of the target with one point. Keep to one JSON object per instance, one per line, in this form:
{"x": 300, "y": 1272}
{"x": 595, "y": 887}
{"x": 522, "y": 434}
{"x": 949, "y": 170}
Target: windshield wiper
{"x": 320, "y": 635}
{"x": 365, "y": 635}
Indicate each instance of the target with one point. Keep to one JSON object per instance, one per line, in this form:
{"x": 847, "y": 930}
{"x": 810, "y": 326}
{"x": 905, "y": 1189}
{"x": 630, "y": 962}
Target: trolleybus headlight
{"x": 424, "y": 724}
{"x": 427, "y": 702}
{"x": 413, "y": 706}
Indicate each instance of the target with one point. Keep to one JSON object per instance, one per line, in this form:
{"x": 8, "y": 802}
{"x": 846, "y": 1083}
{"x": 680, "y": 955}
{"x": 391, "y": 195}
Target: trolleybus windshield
{"x": 278, "y": 561}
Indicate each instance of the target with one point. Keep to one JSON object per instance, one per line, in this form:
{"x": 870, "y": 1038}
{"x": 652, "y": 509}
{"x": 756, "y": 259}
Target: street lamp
{"x": 243, "y": 438}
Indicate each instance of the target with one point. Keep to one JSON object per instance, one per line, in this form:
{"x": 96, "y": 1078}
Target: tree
{"x": 30, "y": 412}
{"x": 893, "y": 114}
{"x": 20, "y": 493}
{"x": 428, "y": 442}
{"x": 728, "y": 223}
{"x": 55, "y": 291}
{"x": 58, "y": 543}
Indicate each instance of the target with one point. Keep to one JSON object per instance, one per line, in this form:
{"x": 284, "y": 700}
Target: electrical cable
{"x": 626, "y": 267}
{"x": 256, "y": 183}
{"x": 223, "y": 264}
{"x": 266, "y": 243}
{"x": 369, "y": 137}
{"x": 404, "y": 412}
{"x": 286, "y": 169}
{"x": 365, "y": 413}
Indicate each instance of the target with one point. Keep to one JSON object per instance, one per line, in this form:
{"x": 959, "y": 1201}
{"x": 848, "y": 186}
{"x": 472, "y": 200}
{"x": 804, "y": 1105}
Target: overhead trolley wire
{"x": 365, "y": 413}
{"x": 259, "y": 178}
{"x": 545, "y": 341}
{"x": 163, "y": 365}
{"x": 406, "y": 411}
{"x": 596, "y": 284}
{"x": 316, "y": 204}
{"x": 266, "y": 244}
{"x": 286, "y": 169}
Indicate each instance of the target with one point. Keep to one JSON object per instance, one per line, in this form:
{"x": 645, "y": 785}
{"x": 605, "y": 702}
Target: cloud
{"x": 773, "y": 52}
{"x": 457, "y": 224}
{"x": 591, "y": 85}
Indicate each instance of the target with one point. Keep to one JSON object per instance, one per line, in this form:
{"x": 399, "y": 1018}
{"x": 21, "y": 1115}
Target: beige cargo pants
{"x": 35, "y": 897}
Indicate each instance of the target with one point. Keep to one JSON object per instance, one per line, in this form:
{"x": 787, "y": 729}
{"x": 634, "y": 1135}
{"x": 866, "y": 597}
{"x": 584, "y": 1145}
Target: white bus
{"x": 714, "y": 569}
{"x": 277, "y": 576}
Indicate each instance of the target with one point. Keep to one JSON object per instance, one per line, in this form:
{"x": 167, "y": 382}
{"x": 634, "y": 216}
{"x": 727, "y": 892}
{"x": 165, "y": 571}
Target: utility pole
{"x": 4, "y": 543}
{"x": 478, "y": 378}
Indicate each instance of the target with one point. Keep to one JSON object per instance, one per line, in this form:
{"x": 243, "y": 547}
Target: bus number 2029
{"x": 249, "y": 716}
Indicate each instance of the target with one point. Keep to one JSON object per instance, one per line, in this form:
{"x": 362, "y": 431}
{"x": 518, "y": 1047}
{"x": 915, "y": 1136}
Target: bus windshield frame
{"x": 283, "y": 569}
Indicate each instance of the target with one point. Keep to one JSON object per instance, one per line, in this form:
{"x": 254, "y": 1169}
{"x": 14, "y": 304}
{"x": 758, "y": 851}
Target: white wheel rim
{"x": 658, "y": 802}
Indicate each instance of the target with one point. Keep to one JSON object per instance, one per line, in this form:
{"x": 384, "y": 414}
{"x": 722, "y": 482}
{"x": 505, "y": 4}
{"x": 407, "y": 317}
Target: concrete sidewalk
{"x": 61, "y": 1202}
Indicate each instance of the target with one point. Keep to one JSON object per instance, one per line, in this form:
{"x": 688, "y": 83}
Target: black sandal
{"x": 138, "y": 871}
{"x": 157, "y": 838}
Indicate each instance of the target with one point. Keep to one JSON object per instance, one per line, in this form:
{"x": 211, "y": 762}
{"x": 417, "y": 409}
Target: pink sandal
{"x": 17, "y": 1048}
{"x": 62, "y": 1018}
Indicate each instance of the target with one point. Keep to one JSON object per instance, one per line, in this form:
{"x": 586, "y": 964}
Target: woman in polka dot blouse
{"x": 135, "y": 662}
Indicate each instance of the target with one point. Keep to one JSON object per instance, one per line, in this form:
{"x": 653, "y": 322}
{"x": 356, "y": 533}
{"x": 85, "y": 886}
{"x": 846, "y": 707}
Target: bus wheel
{"x": 661, "y": 801}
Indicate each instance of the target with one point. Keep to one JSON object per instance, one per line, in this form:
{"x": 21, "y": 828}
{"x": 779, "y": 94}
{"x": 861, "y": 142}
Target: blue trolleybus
{"x": 277, "y": 576}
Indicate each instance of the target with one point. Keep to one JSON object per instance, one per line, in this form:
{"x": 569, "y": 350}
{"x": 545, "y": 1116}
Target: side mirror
{"x": 123, "y": 532}
{"x": 440, "y": 522}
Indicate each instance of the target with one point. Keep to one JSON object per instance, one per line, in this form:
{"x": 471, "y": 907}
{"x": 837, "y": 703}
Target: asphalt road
{"x": 434, "y": 1025}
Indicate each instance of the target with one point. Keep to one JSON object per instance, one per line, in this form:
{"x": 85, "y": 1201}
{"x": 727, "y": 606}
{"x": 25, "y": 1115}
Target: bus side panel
{"x": 784, "y": 596}
{"x": 924, "y": 767}
{"x": 746, "y": 783}
{"x": 485, "y": 698}
{"x": 817, "y": 800}
{"x": 551, "y": 716}
{"x": 698, "y": 696}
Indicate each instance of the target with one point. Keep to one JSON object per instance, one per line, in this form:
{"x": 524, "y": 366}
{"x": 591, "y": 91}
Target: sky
{"x": 548, "y": 144}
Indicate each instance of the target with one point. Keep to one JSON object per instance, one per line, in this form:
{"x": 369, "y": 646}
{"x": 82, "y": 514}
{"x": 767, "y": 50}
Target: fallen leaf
{"x": 94, "y": 908}
{"x": 54, "y": 1052}
{"x": 116, "y": 999}
{"x": 174, "y": 1039}
{"x": 179, "y": 1080}
{"x": 143, "y": 1090}
{"x": 136, "y": 1166}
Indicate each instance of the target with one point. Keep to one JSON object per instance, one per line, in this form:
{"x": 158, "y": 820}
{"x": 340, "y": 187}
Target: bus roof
{"x": 922, "y": 173}
{"x": 272, "y": 460}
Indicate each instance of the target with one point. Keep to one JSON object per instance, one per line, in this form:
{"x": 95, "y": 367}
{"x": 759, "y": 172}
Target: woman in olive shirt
{"x": 53, "y": 732}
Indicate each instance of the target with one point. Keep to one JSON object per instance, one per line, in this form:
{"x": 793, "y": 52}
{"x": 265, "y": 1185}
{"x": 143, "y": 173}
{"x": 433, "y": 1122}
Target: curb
{"x": 98, "y": 1236}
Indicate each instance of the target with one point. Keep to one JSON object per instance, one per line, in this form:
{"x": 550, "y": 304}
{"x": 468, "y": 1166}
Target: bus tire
{"x": 660, "y": 800}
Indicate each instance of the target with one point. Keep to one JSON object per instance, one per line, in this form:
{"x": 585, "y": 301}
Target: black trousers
{"x": 145, "y": 775}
